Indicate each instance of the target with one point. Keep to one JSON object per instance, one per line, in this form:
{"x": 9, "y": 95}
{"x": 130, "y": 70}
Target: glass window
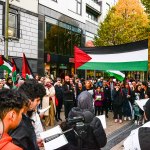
{"x": 92, "y": 16}
{"x": 51, "y": 41}
{"x": 13, "y": 27}
{"x": 62, "y": 39}
{"x": 79, "y": 7}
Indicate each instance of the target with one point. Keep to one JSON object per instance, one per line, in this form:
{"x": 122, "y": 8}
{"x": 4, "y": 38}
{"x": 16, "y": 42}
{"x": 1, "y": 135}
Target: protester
{"x": 139, "y": 138}
{"x": 79, "y": 89}
{"x": 68, "y": 96}
{"x": 49, "y": 99}
{"x": 107, "y": 98}
{"x": 94, "y": 137}
{"x": 9, "y": 83}
{"x": 24, "y": 135}
{"x": 137, "y": 111}
{"x": 11, "y": 108}
{"x": 89, "y": 87}
{"x": 59, "y": 97}
{"x": 127, "y": 108}
{"x": 117, "y": 103}
{"x": 1, "y": 84}
{"x": 98, "y": 101}
{"x": 111, "y": 85}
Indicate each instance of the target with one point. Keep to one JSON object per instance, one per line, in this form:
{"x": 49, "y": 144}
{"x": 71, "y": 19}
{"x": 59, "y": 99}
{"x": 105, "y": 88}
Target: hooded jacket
{"x": 94, "y": 137}
{"x": 6, "y": 143}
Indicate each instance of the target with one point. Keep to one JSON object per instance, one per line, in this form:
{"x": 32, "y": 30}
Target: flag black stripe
{"x": 123, "y": 48}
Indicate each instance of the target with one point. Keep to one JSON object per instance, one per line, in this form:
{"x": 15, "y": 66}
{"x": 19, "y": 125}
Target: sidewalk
{"x": 112, "y": 130}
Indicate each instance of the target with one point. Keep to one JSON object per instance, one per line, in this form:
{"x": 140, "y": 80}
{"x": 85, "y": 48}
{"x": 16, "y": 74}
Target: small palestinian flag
{"x": 5, "y": 64}
{"x": 126, "y": 57}
{"x": 116, "y": 74}
{"x": 14, "y": 71}
{"x": 26, "y": 70}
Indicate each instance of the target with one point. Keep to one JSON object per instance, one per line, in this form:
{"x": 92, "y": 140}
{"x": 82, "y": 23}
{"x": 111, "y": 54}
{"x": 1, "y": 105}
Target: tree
{"x": 146, "y": 4}
{"x": 126, "y": 22}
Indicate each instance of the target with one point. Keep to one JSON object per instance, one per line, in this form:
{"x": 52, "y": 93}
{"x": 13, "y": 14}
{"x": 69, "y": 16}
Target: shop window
{"x": 51, "y": 41}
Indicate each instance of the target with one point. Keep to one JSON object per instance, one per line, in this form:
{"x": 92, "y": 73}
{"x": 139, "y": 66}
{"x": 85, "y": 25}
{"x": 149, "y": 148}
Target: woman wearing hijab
{"x": 94, "y": 136}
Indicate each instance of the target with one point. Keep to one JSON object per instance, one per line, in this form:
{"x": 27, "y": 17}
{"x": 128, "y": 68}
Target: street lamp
{"x": 6, "y": 28}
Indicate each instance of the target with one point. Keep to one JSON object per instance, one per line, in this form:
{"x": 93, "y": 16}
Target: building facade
{"x": 22, "y": 31}
{"x": 62, "y": 25}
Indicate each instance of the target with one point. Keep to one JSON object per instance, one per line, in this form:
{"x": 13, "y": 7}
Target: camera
{"x": 79, "y": 126}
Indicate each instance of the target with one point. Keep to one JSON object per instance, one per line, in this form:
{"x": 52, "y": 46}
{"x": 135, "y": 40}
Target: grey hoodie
{"x": 85, "y": 101}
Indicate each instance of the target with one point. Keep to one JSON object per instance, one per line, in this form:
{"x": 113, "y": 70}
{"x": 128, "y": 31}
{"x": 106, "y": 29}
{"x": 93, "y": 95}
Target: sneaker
{"x": 120, "y": 121}
{"x": 129, "y": 118}
{"x": 125, "y": 118}
{"x": 136, "y": 122}
{"x": 116, "y": 120}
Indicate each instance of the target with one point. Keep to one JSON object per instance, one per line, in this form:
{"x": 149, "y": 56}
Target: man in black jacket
{"x": 24, "y": 135}
{"x": 68, "y": 96}
{"x": 107, "y": 97}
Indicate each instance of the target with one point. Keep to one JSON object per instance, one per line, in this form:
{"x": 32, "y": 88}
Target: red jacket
{"x": 6, "y": 143}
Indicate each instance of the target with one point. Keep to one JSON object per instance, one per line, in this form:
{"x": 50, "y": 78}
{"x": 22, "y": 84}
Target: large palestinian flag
{"x": 5, "y": 64}
{"x": 125, "y": 57}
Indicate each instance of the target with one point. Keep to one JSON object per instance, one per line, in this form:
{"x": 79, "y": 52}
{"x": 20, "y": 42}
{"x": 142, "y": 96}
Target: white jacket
{"x": 132, "y": 141}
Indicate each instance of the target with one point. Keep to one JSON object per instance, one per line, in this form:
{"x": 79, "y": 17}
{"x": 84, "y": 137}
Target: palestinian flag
{"x": 5, "y": 64}
{"x": 125, "y": 57}
{"x": 14, "y": 71}
{"x": 26, "y": 70}
{"x": 116, "y": 74}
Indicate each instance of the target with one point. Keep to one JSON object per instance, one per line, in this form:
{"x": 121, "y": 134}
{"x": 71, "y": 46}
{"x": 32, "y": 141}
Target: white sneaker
{"x": 116, "y": 120}
{"x": 125, "y": 118}
{"x": 129, "y": 118}
{"x": 120, "y": 121}
{"x": 136, "y": 122}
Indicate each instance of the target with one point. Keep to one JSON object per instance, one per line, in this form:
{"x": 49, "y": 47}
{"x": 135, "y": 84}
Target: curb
{"x": 117, "y": 136}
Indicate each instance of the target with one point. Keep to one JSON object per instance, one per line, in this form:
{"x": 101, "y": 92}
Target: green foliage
{"x": 124, "y": 23}
{"x": 146, "y": 4}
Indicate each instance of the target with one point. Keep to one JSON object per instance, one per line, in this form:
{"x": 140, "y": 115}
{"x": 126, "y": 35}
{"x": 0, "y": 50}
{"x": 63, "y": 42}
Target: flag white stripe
{"x": 8, "y": 65}
{"x": 117, "y": 72}
{"x": 141, "y": 55}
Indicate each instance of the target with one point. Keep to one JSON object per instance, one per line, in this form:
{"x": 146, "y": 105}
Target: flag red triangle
{"x": 80, "y": 57}
{"x": 13, "y": 65}
{"x": 1, "y": 60}
{"x": 25, "y": 67}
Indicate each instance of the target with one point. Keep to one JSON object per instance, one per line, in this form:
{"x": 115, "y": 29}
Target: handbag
{"x": 56, "y": 101}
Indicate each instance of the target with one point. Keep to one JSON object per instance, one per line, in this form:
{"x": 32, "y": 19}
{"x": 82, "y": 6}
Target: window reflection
{"x": 62, "y": 39}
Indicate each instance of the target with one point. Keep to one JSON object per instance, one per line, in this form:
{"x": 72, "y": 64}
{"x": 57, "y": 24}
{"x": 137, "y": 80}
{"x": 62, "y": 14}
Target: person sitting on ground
{"x": 11, "y": 108}
{"x": 138, "y": 138}
{"x": 94, "y": 137}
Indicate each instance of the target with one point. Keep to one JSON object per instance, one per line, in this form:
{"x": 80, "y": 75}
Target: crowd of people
{"x": 20, "y": 106}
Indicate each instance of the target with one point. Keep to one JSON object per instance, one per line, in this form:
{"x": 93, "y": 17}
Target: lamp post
{"x": 6, "y": 28}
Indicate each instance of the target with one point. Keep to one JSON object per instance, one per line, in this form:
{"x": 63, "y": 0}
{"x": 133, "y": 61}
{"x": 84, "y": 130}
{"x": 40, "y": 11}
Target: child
{"x": 11, "y": 108}
{"x": 98, "y": 100}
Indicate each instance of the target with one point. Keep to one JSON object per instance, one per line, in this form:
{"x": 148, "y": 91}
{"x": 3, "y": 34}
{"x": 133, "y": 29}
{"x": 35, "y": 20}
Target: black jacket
{"x": 68, "y": 92}
{"x": 118, "y": 97}
{"x": 107, "y": 94}
{"x": 94, "y": 137}
{"x": 24, "y": 135}
{"x": 59, "y": 95}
